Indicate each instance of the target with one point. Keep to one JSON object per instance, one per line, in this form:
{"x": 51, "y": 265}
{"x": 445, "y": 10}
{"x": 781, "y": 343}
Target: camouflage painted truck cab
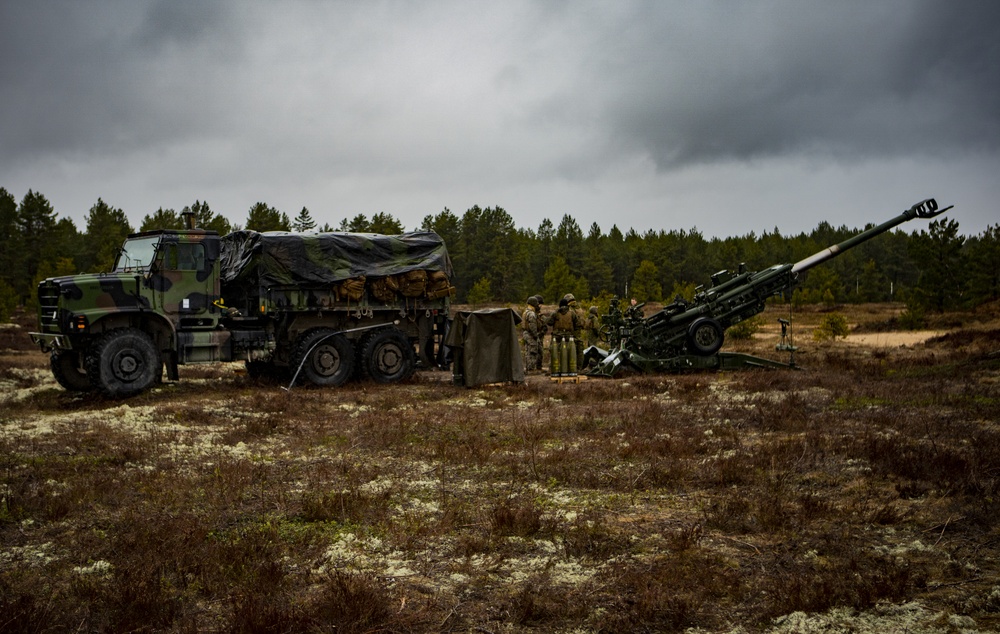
{"x": 323, "y": 306}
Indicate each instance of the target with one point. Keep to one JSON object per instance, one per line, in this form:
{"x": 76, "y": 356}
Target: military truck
{"x": 321, "y": 308}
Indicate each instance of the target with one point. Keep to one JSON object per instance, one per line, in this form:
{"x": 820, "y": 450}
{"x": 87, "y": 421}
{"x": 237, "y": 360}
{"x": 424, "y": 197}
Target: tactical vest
{"x": 562, "y": 321}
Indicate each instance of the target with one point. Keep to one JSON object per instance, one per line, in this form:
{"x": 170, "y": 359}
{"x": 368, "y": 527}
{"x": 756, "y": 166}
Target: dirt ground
{"x": 857, "y": 494}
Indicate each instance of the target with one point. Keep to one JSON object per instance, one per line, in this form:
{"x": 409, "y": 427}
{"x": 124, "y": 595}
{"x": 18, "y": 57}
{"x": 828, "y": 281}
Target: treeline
{"x": 931, "y": 268}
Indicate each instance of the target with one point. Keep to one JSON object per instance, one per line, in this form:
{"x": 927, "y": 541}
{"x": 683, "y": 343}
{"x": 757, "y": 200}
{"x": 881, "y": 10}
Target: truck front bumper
{"x": 49, "y": 342}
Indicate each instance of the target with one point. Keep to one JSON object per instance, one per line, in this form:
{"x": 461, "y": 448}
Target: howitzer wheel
{"x": 388, "y": 356}
{"x": 67, "y": 368}
{"x": 705, "y": 337}
{"x": 123, "y": 362}
{"x": 327, "y": 359}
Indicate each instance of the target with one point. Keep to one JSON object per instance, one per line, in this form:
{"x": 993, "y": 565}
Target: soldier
{"x": 543, "y": 328}
{"x": 565, "y": 323}
{"x": 634, "y": 310}
{"x": 593, "y": 327}
{"x": 532, "y": 335}
{"x": 581, "y": 325}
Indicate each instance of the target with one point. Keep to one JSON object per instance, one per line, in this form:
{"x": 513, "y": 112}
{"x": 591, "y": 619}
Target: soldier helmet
{"x": 563, "y": 302}
{"x": 569, "y": 297}
{"x": 593, "y": 310}
{"x": 540, "y": 300}
{"x": 533, "y": 301}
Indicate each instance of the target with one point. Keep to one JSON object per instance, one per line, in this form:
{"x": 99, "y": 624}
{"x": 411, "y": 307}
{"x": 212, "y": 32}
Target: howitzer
{"x": 688, "y": 335}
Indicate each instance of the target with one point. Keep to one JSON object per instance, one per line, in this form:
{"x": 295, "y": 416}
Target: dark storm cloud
{"x": 626, "y": 110}
{"x": 685, "y": 82}
{"x": 85, "y": 78}
{"x": 182, "y": 23}
{"x": 720, "y": 81}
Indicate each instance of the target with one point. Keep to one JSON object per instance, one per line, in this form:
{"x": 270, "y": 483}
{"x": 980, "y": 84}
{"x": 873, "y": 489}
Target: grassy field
{"x": 859, "y": 493}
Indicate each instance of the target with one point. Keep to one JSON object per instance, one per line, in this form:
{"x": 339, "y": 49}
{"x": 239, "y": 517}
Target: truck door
{"x": 187, "y": 286}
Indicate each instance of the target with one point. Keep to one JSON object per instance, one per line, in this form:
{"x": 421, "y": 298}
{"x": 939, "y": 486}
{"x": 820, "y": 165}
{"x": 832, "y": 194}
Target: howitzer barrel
{"x": 687, "y": 335}
{"x": 925, "y": 209}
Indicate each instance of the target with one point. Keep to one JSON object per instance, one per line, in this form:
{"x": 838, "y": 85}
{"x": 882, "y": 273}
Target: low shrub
{"x": 833, "y": 326}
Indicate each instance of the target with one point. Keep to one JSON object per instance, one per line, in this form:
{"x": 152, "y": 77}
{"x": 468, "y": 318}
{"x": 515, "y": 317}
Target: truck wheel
{"x": 360, "y": 345}
{"x": 705, "y": 337}
{"x": 67, "y": 367}
{"x": 329, "y": 360}
{"x": 123, "y": 362}
{"x": 388, "y": 356}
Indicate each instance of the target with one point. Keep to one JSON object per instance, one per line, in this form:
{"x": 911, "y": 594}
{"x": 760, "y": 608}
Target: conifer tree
{"x": 304, "y": 221}
{"x": 161, "y": 219}
{"x": 939, "y": 250}
{"x": 107, "y": 228}
{"x": 207, "y": 219}
{"x": 357, "y": 224}
{"x": 10, "y": 252}
{"x": 265, "y": 218}
{"x": 385, "y": 224}
{"x": 36, "y": 223}
{"x": 645, "y": 285}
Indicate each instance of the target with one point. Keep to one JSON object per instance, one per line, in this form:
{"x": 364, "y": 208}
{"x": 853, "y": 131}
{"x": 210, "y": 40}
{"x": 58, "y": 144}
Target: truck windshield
{"x": 137, "y": 254}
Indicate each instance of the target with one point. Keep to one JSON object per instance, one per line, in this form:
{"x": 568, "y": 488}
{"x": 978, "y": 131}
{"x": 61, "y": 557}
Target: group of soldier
{"x": 568, "y": 321}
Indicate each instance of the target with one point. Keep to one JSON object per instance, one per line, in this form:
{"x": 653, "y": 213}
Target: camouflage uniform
{"x": 580, "y": 325}
{"x": 564, "y": 323}
{"x": 593, "y": 327}
{"x": 532, "y": 335}
{"x": 543, "y": 329}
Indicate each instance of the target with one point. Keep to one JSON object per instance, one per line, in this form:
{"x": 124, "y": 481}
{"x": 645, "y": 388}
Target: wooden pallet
{"x": 579, "y": 378}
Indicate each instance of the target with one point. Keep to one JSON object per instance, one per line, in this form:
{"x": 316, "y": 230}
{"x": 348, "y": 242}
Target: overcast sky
{"x": 727, "y": 116}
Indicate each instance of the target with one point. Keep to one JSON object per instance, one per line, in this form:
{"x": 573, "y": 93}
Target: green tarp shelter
{"x": 485, "y": 347}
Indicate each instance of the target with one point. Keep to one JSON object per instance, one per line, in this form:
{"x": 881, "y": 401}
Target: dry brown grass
{"x": 861, "y": 491}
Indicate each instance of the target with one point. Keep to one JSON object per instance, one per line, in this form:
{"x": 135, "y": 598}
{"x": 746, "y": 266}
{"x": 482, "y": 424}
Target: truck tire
{"x": 360, "y": 345}
{"x": 705, "y": 337}
{"x": 67, "y": 368}
{"x": 388, "y": 356}
{"x": 123, "y": 362}
{"x": 326, "y": 359}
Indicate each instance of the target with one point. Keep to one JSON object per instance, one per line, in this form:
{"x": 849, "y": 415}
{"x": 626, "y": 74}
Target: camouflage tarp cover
{"x": 280, "y": 258}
